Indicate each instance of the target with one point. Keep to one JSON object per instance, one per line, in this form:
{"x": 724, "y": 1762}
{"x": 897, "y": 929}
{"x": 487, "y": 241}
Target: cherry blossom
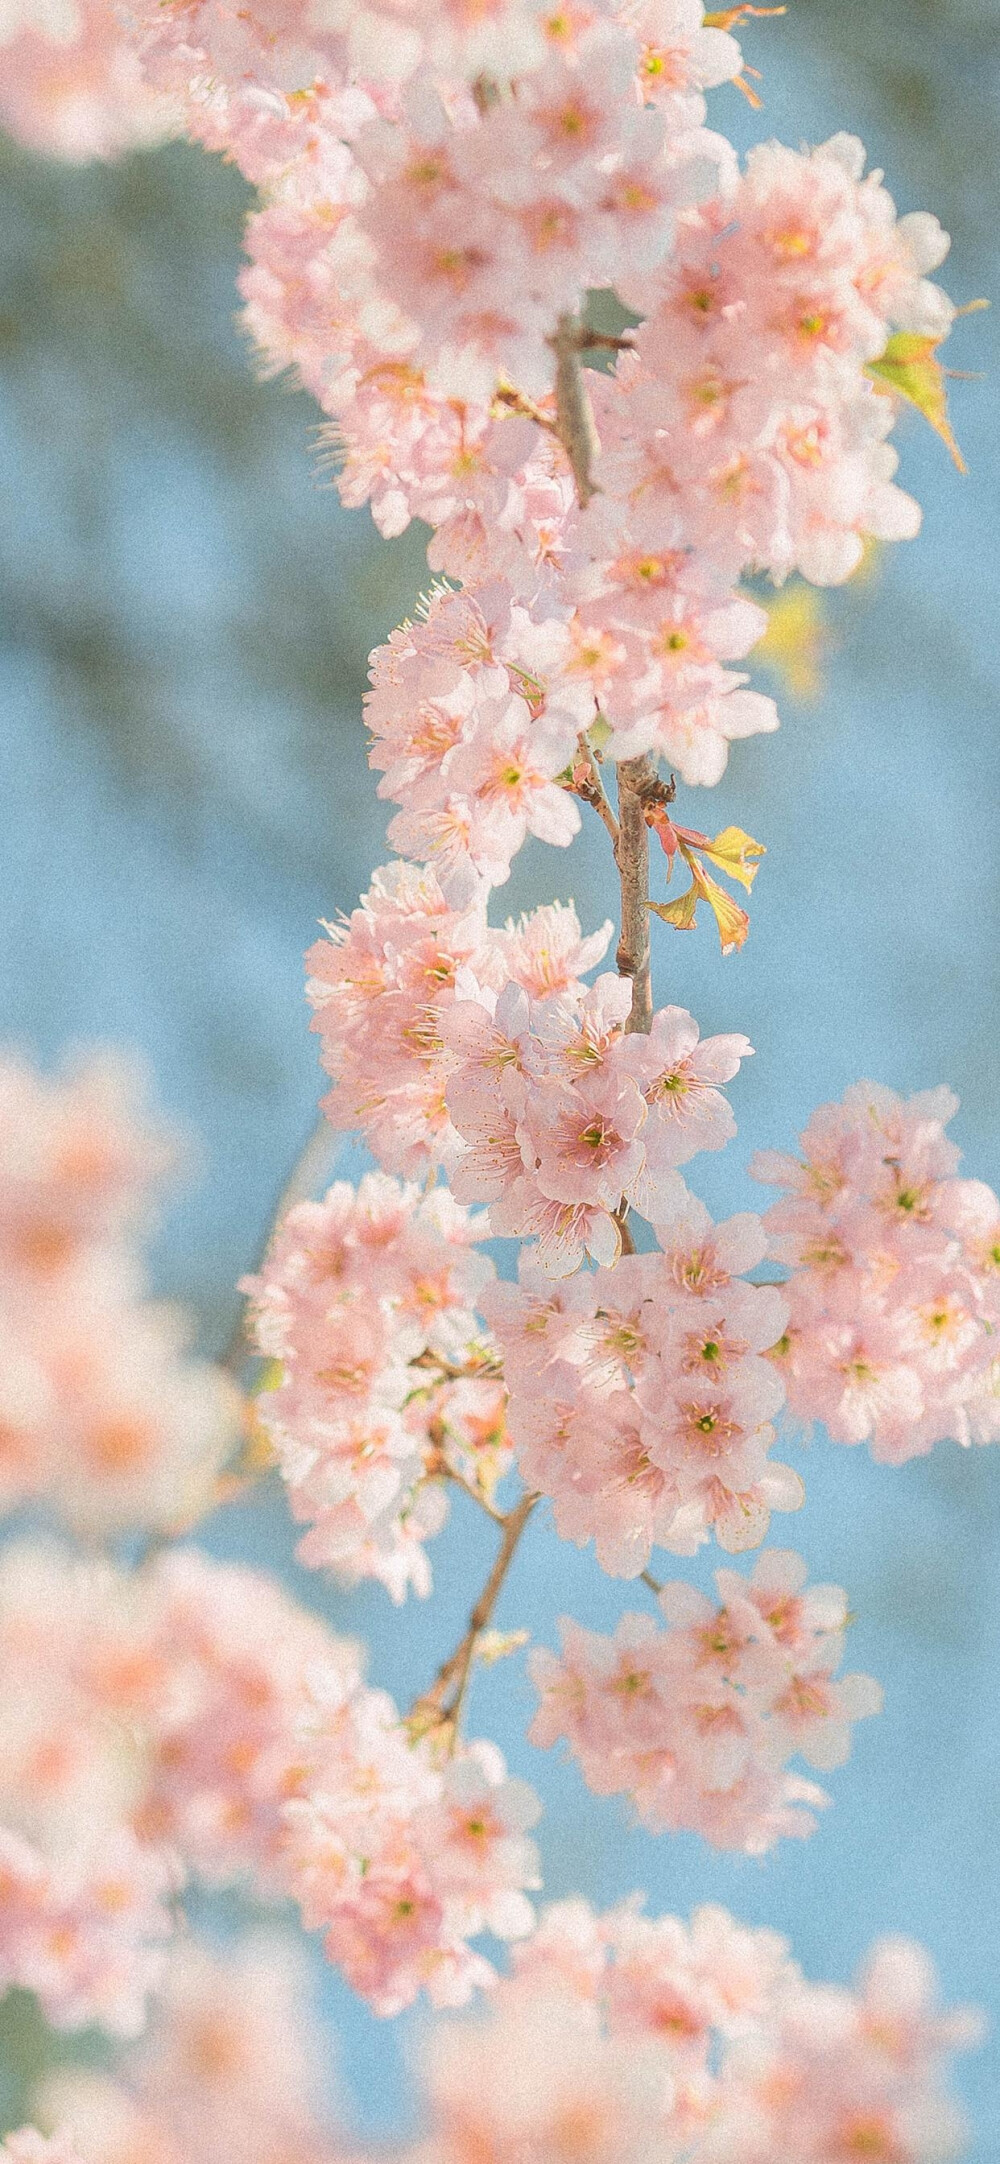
{"x": 642, "y": 1400}
{"x": 567, "y": 1119}
{"x": 71, "y": 82}
{"x": 387, "y": 1378}
{"x": 893, "y": 1286}
{"x": 104, "y": 1416}
{"x": 622, "y": 2034}
{"x": 696, "y": 1725}
{"x": 231, "y": 2059}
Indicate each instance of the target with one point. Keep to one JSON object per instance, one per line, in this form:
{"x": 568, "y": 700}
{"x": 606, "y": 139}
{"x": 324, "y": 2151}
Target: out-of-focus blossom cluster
{"x": 104, "y": 1416}
{"x": 894, "y": 1291}
{"x": 696, "y": 1724}
{"x": 72, "y": 84}
{"x": 389, "y": 1382}
{"x": 617, "y": 2037}
{"x": 27, "y": 2146}
{"x": 232, "y": 2067}
{"x": 640, "y": 1398}
{"x": 625, "y": 2036}
{"x": 192, "y": 1720}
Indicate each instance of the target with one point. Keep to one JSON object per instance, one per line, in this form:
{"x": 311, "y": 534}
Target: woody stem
{"x": 443, "y": 1702}
{"x": 635, "y": 777}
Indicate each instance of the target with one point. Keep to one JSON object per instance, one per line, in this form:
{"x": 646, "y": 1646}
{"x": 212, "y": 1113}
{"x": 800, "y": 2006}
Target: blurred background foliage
{"x": 185, "y": 616}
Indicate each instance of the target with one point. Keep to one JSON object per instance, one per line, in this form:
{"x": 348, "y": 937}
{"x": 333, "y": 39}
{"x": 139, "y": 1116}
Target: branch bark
{"x": 635, "y": 778}
{"x": 441, "y": 1706}
{"x": 574, "y": 417}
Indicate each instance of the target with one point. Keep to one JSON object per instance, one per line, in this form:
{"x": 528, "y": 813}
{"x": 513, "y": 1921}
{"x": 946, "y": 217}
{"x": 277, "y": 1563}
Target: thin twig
{"x": 621, "y": 1219}
{"x": 444, "y": 1471}
{"x": 653, "y": 1583}
{"x": 515, "y": 401}
{"x": 606, "y": 341}
{"x": 441, "y": 1706}
{"x": 590, "y": 787}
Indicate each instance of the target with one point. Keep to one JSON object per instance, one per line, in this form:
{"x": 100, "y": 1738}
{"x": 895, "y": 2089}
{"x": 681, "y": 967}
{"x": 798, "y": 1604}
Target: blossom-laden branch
{"x": 439, "y": 199}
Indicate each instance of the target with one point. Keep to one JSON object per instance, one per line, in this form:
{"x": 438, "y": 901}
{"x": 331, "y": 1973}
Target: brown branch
{"x": 439, "y": 1467}
{"x": 624, "y": 1229}
{"x": 515, "y": 401}
{"x": 588, "y": 785}
{"x": 653, "y": 1583}
{"x": 441, "y": 1706}
{"x": 574, "y": 417}
{"x": 636, "y": 779}
{"x": 605, "y": 341}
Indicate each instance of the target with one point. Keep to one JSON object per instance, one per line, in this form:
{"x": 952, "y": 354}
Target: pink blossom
{"x": 698, "y": 2038}
{"x": 71, "y": 84}
{"x": 642, "y": 1403}
{"x": 892, "y": 1292}
{"x": 367, "y": 1301}
{"x": 696, "y": 1725}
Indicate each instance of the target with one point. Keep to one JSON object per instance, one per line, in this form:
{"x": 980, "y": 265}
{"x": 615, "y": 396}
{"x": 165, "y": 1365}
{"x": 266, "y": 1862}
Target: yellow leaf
{"x": 796, "y": 640}
{"x": 732, "y": 921}
{"x": 598, "y": 733}
{"x": 681, "y": 914}
{"x": 736, "y": 853}
{"x": 910, "y": 367}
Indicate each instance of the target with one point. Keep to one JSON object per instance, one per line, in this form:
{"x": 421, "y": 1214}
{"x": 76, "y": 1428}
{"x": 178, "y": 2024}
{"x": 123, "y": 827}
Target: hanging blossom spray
{"x": 546, "y": 311}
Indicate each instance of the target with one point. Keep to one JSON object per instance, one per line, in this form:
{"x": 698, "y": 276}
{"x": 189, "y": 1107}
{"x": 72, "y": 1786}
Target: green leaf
{"x": 910, "y": 367}
{"x": 599, "y": 733}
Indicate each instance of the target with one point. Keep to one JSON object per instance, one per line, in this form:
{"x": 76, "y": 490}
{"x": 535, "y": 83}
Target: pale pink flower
{"x": 892, "y": 1293}
{"x": 367, "y": 1300}
{"x": 697, "y": 1725}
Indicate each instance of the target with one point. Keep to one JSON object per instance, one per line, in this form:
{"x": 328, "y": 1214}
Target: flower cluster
{"x": 473, "y": 722}
{"x": 696, "y": 1724}
{"x": 103, "y": 1415}
{"x": 83, "y": 1928}
{"x": 568, "y": 1119}
{"x": 28, "y": 2147}
{"x": 195, "y": 1721}
{"x": 442, "y": 190}
{"x": 231, "y": 2066}
{"x": 382, "y": 987}
{"x": 641, "y": 1400}
{"x": 625, "y": 2035}
{"x": 400, "y": 1861}
{"x": 894, "y": 1291}
{"x": 71, "y": 82}
{"x": 485, "y": 1053}
{"x": 388, "y": 1381}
